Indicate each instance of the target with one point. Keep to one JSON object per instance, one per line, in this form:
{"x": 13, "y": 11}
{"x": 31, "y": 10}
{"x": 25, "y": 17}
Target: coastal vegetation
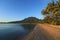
{"x": 52, "y": 13}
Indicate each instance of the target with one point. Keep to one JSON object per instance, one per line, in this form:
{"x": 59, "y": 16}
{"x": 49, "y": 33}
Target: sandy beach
{"x": 44, "y": 32}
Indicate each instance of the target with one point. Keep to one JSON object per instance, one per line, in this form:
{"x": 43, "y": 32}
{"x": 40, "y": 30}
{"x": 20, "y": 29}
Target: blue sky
{"x": 11, "y": 10}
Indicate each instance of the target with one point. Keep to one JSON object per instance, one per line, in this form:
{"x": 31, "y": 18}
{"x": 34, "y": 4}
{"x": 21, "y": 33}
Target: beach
{"x": 44, "y": 32}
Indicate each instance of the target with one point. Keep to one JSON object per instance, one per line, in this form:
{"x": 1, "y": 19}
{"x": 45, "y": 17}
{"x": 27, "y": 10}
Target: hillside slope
{"x": 44, "y": 32}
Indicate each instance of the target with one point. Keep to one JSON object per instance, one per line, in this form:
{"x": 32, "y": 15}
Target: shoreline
{"x": 43, "y": 32}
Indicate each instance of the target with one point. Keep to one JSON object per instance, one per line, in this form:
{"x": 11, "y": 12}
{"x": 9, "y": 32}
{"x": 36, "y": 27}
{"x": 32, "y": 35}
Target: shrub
{"x": 54, "y": 22}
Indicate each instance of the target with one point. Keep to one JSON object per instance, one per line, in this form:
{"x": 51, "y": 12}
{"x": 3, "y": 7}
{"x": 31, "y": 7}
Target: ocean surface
{"x": 12, "y": 31}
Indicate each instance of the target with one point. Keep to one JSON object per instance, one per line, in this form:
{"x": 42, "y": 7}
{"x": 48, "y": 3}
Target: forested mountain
{"x": 27, "y": 20}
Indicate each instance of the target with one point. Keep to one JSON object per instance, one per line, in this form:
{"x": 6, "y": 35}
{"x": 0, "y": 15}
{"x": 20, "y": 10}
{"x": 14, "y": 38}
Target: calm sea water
{"x": 11, "y": 31}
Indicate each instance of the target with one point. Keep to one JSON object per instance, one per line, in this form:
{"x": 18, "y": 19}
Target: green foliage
{"x": 53, "y": 22}
{"x": 52, "y": 13}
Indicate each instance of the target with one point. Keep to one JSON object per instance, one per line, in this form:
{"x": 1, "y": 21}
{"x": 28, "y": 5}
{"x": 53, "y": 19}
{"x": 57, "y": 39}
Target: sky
{"x": 12, "y": 10}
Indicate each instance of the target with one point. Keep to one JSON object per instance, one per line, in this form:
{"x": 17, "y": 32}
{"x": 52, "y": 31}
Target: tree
{"x": 52, "y": 11}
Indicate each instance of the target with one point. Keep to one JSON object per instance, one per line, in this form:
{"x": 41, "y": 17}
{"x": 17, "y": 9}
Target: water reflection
{"x": 11, "y": 31}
